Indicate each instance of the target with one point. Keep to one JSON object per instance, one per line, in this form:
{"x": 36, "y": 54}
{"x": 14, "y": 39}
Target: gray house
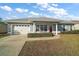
{"x": 39, "y": 25}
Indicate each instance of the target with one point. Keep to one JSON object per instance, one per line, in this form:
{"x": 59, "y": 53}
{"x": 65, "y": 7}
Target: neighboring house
{"x": 3, "y": 28}
{"x": 38, "y": 25}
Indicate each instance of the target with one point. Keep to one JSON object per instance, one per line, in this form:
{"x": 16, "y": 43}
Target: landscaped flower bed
{"x": 40, "y": 34}
{"x": 71, "y": 32}
{"x": 3, "y": 35}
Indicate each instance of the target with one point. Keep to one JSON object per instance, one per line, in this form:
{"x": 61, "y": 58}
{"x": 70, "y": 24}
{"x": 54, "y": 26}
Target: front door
{"x": 50, "y": 29}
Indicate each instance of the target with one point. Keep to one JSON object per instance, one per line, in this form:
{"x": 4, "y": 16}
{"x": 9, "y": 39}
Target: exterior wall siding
{"x": 61, "y": 27}
{"x": 76, "y": 27}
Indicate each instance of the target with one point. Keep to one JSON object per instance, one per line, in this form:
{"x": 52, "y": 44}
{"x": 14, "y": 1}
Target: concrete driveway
{"x": 11, "y": 45}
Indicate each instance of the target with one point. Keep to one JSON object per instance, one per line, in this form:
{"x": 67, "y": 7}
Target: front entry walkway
{"x": 12, "y": 45}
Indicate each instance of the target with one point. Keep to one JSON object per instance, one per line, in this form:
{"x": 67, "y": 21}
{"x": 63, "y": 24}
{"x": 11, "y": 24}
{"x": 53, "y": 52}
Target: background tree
{"x": 1, "y": 21}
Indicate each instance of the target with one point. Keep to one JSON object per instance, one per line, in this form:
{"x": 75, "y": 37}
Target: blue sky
{"x": 65, "y": 11}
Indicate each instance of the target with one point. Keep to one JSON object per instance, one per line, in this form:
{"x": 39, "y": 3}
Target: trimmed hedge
{"x": 71, "y": 32}
{"x": 3, "y": 32}
{"x": 40, "y": 35}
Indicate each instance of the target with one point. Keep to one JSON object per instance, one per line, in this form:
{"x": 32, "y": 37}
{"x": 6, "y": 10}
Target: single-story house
{"x": 3, "y": 28}
{"x": 39, "y": 25}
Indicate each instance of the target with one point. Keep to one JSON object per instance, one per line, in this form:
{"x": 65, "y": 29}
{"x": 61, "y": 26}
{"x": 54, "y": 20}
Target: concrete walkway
{"x": 12, "y": 45}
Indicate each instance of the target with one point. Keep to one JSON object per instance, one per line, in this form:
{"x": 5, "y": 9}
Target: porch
{"x": 54, "y": 28}
{"x": 45, "y": 28}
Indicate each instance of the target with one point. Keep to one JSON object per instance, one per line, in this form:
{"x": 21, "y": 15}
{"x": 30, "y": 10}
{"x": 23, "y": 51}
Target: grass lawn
{"x": 1, "y": 36}
{"x": 67, "y": 45}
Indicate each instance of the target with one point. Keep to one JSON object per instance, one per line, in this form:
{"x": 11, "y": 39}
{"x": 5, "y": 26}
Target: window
{"x": 60, "y": 27}
{"x": 19, "y": 25}
{"x": 68, "y": 27}
{"x": 45, "y": 27}
{"x": 25, "y": 25}
{"x": 16, "y": 25}
{"x": 28, "y": 25}
{"x": 41, "y": 27}
{"x": 37, "y": 27}
{"x": 54, "y": 27}
{"x": 22, "y": 25}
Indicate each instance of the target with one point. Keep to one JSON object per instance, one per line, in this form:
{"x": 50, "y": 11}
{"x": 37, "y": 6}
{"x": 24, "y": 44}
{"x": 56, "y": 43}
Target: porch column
{"x": 56, "y": 29}
{"x": 8, "y": 28}
{"x": 34, "y": 27}
{"x": 47, "y": 28}
{"x": 11, "y": 29}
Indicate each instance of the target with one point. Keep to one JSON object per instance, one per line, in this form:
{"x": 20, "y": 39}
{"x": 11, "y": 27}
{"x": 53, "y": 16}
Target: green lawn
{"x": 67, "y": 45}
{"x": 1, "y": 36}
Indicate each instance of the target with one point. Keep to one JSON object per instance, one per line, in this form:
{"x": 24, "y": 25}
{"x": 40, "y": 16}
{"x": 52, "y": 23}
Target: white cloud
{"x": 73, "y": 17}
{"x": 43, "y": 5}
{"x": 6, "y": 8}
{"x": 14, "y": 16}
{"x": 7, "y": 18}
{"x": 58, "y": 11}
{"x": 55, "y": 5}
{"x": 61, "y": 12}
{"x": 46, "y": 15}
{"x": 20, "y": 10}
{"x": 11, "y": 17}
{"x": 9, "y": 13}
{"x": 53, "y": 9}
{"x": 26, "y": 10}
{"x": 34, "y": 13}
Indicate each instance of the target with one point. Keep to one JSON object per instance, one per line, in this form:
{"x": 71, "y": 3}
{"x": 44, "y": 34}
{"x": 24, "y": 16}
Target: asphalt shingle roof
{"x": 40, "y": 19}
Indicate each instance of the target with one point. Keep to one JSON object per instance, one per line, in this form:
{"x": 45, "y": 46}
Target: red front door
{"x": 50, "y": 29}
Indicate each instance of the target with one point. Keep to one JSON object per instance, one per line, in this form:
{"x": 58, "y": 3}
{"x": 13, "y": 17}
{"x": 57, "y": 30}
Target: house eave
{"x": 18, "y": 23}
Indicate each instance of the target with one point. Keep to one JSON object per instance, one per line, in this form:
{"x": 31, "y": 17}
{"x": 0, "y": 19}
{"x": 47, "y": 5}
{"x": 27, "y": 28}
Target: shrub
{"x": 3, "y": 32}
{"x": 71, "y": 32}
{"x": 40, "y": 34}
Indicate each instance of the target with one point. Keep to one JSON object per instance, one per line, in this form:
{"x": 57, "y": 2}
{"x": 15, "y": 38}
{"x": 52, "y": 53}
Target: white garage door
{"x": 21, "y": 29}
